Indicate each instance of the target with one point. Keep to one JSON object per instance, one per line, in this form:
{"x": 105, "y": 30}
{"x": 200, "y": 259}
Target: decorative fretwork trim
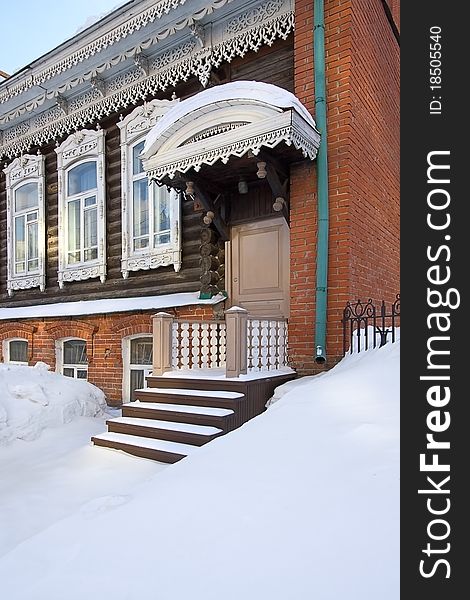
{"x": 133, "y": 129}
{"x": 180, "y": 66}
{"x": 25, "y": 169}
{"x": 112, "y": 37}
{"x": 289, "y": 127}
{"x": 81, "y": 146}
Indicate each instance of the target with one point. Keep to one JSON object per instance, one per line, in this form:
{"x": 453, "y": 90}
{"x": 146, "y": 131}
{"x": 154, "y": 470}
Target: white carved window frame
{"x": 23, "y": 170}
{"x": 80, "y": 147}
{"x": 133, "y": 130}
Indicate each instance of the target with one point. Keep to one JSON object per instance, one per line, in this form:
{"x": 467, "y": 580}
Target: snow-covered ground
{"x": 301, "y": 502}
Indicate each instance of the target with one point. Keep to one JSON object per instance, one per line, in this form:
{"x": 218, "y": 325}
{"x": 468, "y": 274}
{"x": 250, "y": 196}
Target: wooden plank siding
{"x": 271, "y": 64}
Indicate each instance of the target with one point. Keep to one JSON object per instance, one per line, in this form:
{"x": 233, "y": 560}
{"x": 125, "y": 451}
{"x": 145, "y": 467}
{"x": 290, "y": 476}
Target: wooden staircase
{"x": 173, "y": 416}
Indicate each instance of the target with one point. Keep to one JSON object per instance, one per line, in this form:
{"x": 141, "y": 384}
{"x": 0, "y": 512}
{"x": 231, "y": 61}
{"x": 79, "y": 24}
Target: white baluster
{"x": 195, "y": 346}
{"x": 175, "y": 343}
{"x": 185, "y": 345}
{"x": 205, "y": 348}
{"x": 222, "y": 345}
{"x": 264, "y": 344}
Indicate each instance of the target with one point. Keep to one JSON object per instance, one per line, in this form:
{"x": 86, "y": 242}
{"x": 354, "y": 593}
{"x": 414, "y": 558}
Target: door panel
{"x": 260, "y": 267}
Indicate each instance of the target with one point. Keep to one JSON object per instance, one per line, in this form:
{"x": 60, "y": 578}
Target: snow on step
{"x": 184, "y": 408}
{"x": 154, "y": 423}
{"x": 145, "y": 442}
{"x": 186, "y": 392}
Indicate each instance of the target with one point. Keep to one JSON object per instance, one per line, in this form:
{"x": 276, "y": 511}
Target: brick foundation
{"x": 103, "y": 334}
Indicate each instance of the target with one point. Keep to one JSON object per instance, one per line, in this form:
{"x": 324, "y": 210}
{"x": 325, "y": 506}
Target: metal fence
{"x": 366, "y": 325}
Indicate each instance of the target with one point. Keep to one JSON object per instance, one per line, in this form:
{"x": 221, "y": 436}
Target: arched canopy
{"x": 224, "y": 121}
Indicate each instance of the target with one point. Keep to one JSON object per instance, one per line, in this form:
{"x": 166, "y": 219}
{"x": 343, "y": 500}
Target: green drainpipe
{"x": 322, "y": 179}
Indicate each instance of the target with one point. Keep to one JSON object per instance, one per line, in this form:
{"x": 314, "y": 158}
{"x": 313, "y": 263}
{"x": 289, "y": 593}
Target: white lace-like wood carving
{"x": 212, "y": 131}
{"x": 133, "y": 129}
{"x": 82, "y": 146}
{"x": 229, "y": 39}
{"x": 22, "y": 171}
{"x": 198, "y": 345}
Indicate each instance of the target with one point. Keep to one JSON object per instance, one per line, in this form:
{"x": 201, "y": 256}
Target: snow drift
{"x": 33, "y": 398}
{"x": 301, "y": 502}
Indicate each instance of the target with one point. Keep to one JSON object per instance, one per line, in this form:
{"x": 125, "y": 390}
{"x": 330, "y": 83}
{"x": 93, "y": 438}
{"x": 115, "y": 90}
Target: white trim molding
{"x": 133, "y": 130}
{"x": 80, "y": 147}
{"x": 25, "y": 170}
{"x": 224, "y": 121}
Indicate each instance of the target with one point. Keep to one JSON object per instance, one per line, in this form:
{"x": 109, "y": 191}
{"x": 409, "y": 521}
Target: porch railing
{"x": 240, "y": 343}
{"x": 198, "y": 344}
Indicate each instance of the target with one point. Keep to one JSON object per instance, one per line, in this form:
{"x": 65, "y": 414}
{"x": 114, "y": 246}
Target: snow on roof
{"x": 256, "y": 91}
{"x": 94, "y": 307}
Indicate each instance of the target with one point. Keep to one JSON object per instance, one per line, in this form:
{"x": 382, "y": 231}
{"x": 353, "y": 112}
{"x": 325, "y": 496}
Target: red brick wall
{"x": 103, "y": 334}
{"x": 362, "y": 111}
{"x": 375, "y": 157}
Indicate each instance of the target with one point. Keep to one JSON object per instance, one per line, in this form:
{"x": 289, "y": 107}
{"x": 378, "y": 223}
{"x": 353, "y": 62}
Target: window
{"x": 16, "y": 351}
{"x": 138, "y": 356}
{"x": 150, "y": 214}
{"x": 82, "y": 221}
{"x": 25, "y": 223}
{"x": 73, "y": 360}
{"x": 81, "y": 207}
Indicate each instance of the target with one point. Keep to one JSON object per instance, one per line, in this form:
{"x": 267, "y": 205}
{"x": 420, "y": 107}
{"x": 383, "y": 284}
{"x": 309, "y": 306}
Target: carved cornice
{"x": 250, "y": 31}
{"x": 120, "y": 32}
{"x": 80, "y": 56}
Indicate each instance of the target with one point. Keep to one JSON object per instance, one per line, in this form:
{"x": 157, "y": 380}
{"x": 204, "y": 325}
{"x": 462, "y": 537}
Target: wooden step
{"x": 215, "y": 398}
{"x": 182, "y": 433}
{"x": 180, "y": 413}
{"x": 161, "y": 450}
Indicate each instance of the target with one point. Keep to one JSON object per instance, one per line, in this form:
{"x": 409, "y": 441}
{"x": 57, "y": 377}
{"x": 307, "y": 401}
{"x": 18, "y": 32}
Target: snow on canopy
{"x": 254, "y": 91}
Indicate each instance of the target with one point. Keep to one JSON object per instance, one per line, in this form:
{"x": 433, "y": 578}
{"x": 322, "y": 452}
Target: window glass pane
{"x": 32, "y": 241}
{"x": 20, "y": 235}
{"x": 90, "y": 201}
{"x": 68, "y": 372}
{"x": 137, "y": 382}
{"x": 33, "y": 216}
{"x": 137, "y": 166}
{"x": 19, "y": 351}
{"x": 161, "y": 209}
{"x": 20, "y": 267}
{"x": 81, "y": 374}
{"x": 91, "y": 228}
{"x": 141, "y": 351}
{"x": 74, "y": 228}
{"x": 140, "y": 208}
{"x": 162, "y": 238}
{"x": 75, "y": 352}
{"x": 82, "y": 178}
{"x": 26, "y": 197}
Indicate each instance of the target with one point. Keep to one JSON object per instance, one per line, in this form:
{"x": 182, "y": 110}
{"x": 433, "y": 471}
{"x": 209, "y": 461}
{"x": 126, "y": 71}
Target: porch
{"x": 208, "y": 378}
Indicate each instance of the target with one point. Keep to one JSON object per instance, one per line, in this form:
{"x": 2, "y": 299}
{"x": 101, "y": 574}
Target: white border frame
{"x": 6, "y": 351}
{"x": 26, "y": 169}
{"x": 133, "y": 130}
{"x": 126, "y": 365}
{"x": 82, "y": 146}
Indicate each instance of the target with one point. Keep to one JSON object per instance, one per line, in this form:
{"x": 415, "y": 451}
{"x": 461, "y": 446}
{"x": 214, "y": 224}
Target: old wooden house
{"x": 190, "y": 192}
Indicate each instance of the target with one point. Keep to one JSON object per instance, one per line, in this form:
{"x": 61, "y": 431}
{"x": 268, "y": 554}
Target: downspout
{"x": 322, "y": 181}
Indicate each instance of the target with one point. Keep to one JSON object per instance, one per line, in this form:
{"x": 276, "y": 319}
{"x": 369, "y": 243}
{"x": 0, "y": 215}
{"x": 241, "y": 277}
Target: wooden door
{"x": 260, "y": 267}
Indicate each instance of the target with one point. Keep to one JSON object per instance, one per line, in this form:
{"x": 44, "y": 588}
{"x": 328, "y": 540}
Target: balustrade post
{"x": 162, "y": 332}
{"x": 236, "y": 320}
